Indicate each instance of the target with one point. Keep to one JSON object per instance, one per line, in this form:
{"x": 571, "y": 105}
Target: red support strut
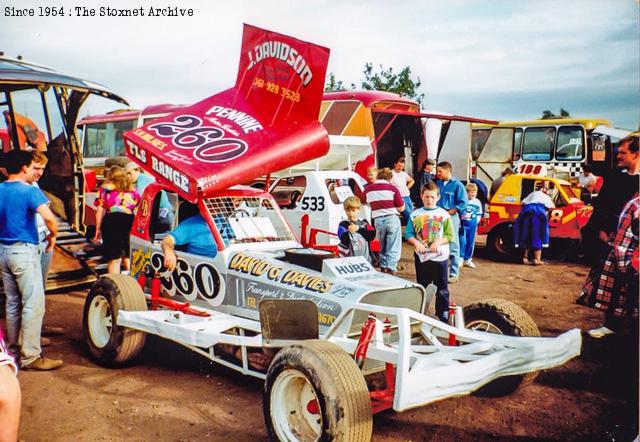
{"x": 380, "y": 399}
{"x": 157, "y": 300}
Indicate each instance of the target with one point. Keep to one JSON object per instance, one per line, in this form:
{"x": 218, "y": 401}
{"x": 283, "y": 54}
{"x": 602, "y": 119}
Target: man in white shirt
{"x": 587, "y": 179}
{"x": 403, "y": 181}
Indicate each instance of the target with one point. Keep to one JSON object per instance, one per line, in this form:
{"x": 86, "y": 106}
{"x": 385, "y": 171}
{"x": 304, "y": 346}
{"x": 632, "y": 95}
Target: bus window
{"x": 55, "y": 116}
{"x": 29, "y": 119}
{"x": 538, "y": 143}
{"x": 104, "y": 140}
{"x": 570, "y": 144}
{"x": 478, "y": 139}
{"x": 5, "y": 137}
{"x": 517, "y": 143}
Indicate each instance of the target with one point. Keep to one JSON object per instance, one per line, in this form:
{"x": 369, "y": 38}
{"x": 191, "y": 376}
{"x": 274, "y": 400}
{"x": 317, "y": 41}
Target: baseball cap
{"x": 131, "y": 166}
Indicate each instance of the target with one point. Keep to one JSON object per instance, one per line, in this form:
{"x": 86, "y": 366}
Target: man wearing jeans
{"x": 386, "y": 205}
{"x": 453, "y": 199}
{"x": 20, "y": 260}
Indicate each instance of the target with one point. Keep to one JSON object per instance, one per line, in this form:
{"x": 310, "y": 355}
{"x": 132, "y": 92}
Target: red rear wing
{"x": 267, "y": 122}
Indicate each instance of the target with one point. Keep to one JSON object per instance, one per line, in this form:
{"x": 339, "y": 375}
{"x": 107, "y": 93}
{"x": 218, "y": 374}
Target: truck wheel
{"x": 109, "y": 343}
{"x": 500, "y": 243}
{"x": 505, "y": 318}
{"x": 315, "y": 391}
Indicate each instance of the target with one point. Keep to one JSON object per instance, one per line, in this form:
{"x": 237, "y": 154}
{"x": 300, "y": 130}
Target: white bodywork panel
{"x": 344, "y": 152}
{"x": 325, "y": 210}
{"x": 424, "y": 373}
{"x": 432, "y": 129}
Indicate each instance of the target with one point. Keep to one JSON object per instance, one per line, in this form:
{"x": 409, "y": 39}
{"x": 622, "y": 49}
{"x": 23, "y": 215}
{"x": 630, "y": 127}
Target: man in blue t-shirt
{"x": 20, "y": 259}
{"x": 194, "y": 233}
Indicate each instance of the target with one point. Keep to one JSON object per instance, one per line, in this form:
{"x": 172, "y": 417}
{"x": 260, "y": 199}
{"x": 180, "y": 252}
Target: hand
{"x": 51, "y": 239}
{"x": 420, "y": 248}
{"x": 353, "y": 228}
{"x": 170, "y": 260}
{"x": 603, "y": 236}
{"x": 434, "y": 246}
{"x": 452, "y": 211}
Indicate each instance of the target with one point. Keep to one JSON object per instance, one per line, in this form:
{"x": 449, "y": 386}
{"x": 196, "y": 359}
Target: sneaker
{"x": 470, "y": 264}
{"x": 453, "y": 279}
{"x": 601, "y": 332}
{"x": 43, "y": 364}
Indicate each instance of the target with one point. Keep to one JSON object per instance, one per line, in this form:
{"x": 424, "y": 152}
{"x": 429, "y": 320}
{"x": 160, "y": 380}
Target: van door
{"x": 455, "y": 147}
{"x": 496, "y": 155}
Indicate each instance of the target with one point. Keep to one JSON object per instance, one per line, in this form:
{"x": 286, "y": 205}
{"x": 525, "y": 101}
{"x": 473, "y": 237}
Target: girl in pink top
{"x": 116, "y": 205}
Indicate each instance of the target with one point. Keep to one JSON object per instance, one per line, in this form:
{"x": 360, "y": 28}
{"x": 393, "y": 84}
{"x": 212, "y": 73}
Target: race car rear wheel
{"x": 500, "y": 244}
{"x": 315, "y": 391}
{"x": 109, "y": 343}
{"x": 507, "y": 318}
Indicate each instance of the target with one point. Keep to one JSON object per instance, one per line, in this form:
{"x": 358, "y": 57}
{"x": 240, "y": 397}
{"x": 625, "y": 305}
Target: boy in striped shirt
{"x": 386, "y": 205}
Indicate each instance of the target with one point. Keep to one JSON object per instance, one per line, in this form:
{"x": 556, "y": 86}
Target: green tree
{"x": 385, "y": 80}
{"x": 333, "y": 85}
{"x": 547, "y": 114}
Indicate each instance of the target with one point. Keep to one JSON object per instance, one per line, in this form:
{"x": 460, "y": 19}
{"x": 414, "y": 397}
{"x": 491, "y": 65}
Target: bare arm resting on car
{"x": 168, "y": 248}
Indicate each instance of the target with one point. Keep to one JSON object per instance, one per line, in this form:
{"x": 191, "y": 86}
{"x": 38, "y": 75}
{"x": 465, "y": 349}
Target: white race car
{"x": 335, "y": 340}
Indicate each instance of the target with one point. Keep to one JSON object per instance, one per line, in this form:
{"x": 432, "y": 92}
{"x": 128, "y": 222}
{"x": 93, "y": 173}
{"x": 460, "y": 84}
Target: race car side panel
{"x": 235, "y": 282}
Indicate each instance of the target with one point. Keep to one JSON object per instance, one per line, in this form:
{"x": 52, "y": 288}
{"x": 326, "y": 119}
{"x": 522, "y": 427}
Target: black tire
{"x": 113, "y": 345}
{"x": 342, "y": 395}
{"x": 500, "y": 244}
{"x": 509, "y": 319}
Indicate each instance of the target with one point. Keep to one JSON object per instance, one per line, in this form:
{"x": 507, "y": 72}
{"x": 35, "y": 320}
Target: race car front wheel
{"x": 315, "y": 391}
{"x": 109, "y": 343}
{"x": 506, "y": 318}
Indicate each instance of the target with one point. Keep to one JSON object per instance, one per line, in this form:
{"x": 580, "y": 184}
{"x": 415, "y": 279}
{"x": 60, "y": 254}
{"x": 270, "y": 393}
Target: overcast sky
{"x": 497, "y": 59}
